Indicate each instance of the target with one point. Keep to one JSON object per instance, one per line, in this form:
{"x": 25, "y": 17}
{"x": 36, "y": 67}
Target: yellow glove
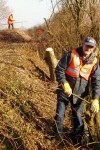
{"x": 67, "y": 89}
{"x": 95, "y": 105}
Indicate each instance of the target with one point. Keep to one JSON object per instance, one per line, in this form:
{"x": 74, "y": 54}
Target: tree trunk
{"x": 52, "y": 62}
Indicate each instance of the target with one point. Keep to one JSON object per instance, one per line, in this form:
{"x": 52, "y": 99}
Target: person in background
{"x": 11, "y": 22}
{"x": 75, "y": 72}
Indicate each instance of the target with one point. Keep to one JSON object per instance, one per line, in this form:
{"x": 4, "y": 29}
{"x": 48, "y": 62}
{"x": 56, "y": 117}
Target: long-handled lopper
{"x": 80, "y": 98}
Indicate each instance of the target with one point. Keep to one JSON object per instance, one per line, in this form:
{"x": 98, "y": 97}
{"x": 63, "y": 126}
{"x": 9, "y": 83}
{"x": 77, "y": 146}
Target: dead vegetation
{"x": 27, "y": 96}
{"x": 14, "y": 36}
{"x": 27, "y": 100}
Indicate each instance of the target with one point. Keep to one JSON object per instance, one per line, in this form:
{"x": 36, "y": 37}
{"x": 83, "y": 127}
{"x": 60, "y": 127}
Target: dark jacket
{"x": 79, "y": 86}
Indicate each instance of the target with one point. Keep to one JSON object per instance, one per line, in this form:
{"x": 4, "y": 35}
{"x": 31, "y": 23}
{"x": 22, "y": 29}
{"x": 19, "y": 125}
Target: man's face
{"x": 87, "y": 50}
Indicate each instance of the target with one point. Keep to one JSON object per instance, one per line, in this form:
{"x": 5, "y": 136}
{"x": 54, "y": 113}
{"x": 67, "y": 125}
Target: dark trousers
{"x": 77, "y": 112}
{"x": 10, "y": 26}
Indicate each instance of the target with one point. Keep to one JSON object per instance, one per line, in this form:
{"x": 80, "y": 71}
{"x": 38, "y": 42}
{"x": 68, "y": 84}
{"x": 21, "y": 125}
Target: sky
{"x": 29, "y": 13}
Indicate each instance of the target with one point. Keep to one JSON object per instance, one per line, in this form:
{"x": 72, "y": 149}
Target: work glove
{"x": 67, "y": 89}
{"x": 95, "y": 105}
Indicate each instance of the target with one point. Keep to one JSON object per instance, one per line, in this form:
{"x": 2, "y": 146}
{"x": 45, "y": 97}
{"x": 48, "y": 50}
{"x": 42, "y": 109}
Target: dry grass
{"x": 27, "y": 100}
{"x": 27, "y": 105}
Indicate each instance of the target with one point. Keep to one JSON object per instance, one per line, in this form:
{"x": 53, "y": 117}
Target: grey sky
{"x": 30, "y": 12}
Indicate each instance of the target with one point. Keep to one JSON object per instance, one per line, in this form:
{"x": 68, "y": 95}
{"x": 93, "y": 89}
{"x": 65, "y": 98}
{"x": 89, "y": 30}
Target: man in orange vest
{"x": 76, "y": 70}
{"x": 11, "y": 21}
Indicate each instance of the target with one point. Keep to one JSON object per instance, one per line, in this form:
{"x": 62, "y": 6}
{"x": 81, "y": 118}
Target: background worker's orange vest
{"x": 10, "y": 20}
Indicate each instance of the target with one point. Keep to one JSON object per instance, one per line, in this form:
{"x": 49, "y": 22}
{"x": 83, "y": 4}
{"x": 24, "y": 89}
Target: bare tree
{"x": 4, "y": 10}
{"x": 75, "y": 20}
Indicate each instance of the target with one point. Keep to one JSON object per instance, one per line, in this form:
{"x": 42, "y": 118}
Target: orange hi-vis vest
{"x": 76, "y": 68}
{"x": 10, "y": 19}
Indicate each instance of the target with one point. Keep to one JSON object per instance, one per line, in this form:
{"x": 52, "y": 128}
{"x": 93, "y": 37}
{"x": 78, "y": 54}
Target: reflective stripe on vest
{"x": 76, "y": 69}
